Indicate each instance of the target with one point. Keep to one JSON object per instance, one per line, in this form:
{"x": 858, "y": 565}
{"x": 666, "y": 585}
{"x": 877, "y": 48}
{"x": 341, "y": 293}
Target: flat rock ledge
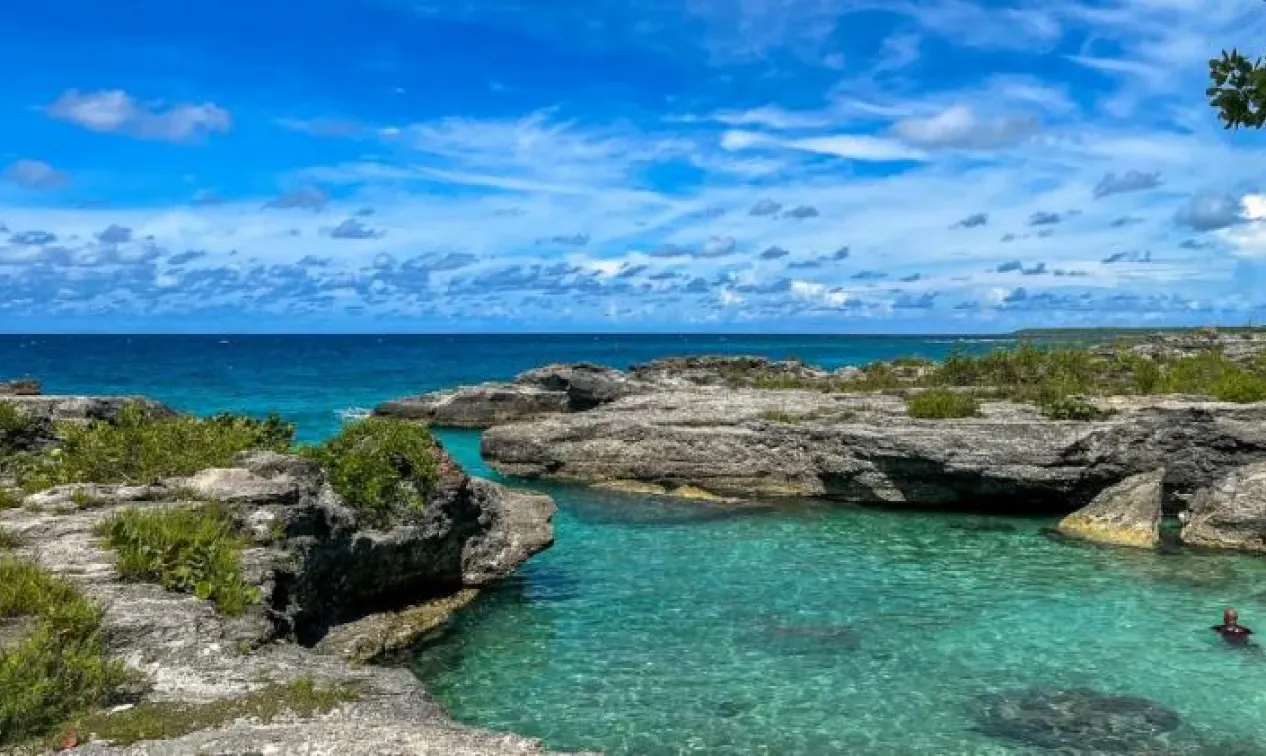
{"x": 192, "y": 654}
{"x": 336, "y": 595}
{"x": 1126, "y": 514}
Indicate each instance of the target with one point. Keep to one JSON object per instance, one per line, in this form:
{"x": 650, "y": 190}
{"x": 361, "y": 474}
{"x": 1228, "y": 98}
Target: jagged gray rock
{"x": 477, "y": 406}
{"x": 1230, "y": 514}
{"x": 317, "y": 566}
{"x": 1125, "y": 514}
{"x": 865, "y": 448}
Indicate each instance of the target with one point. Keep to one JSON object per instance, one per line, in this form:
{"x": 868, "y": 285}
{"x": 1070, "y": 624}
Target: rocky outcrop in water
{"x": 572, "y": 388}
{"x": 1126, "y": 514}
{"x": 865, "y": 448}
{"x": 326, "y": 579}
{"x": 1230, "y": 514}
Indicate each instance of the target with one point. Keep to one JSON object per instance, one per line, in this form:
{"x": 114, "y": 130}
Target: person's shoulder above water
{"x": 1231, "y": 629}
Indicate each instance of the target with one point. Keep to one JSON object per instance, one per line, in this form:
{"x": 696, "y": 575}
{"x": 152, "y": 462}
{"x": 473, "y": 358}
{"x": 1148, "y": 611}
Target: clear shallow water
{"x": 661, "y": 628}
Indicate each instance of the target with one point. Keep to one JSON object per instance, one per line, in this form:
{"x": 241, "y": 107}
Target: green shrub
{"x": 188, "y": 549}
{"x": 937, "y": 404}
{"x": 9, "y": 539}
{"x": 1239, "y": 386}
{"x": 136, "y": 448}
{"x": 12, "y": 419}
{"x": 10, "y": 499}
{"x": 1073, "y": 408}
{"x": 383, "y": 468}
{"x": 59, "y": 669}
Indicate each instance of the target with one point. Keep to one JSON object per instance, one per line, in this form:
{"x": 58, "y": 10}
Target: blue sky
{"x": 624, "y": 165}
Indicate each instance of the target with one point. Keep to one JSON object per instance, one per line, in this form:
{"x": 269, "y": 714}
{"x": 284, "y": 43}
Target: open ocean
{"x": 659, "y": 627}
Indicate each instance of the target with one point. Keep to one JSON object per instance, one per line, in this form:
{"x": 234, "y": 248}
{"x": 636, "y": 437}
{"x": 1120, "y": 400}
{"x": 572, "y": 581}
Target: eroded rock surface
{"x": 1230, "y": 514}
{"x": 317, "y": 566}
{"x": 1126, "y": 514}
{"x": 865, "y": 448}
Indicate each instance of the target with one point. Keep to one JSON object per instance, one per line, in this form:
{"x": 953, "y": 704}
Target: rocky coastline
{"x": 297, "y": 671}
{"x": 742, "y": 427}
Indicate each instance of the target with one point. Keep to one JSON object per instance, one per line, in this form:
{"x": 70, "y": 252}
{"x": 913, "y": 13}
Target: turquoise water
{"x": 661, "y": 628}
{"x": 655, "y": 627}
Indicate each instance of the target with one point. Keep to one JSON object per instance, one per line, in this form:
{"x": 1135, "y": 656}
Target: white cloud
{"x": 960, "y": 127}
{"x": 35, "y": 174}
{"x": 115, "y": 111}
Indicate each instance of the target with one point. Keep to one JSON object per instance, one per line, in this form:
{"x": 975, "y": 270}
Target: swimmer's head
{"x": 1230, "y": 616}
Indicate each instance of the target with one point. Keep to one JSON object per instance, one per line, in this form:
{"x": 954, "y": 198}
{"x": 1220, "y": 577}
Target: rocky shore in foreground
{"x": 740, "y": 427}
{"x": 335, "y": 591}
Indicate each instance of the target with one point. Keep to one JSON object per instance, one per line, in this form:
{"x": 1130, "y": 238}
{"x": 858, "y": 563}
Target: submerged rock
{"x": 1078, "y": 720}
{"x": 1232, "y": 513}
{"x": 1126, "y": 514}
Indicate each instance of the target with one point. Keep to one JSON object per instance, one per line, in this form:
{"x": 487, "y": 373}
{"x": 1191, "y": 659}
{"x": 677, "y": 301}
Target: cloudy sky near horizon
{"x": 751, "y": 165}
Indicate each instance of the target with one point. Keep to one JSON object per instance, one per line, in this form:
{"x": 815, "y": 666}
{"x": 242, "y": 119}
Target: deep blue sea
{"x": 661, "y": 627}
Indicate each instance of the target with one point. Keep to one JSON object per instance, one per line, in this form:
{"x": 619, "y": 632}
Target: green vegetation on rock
{"x": 1073, "y": 408}
{"x": 188, "y": 549}
{"x": 381, "y": 467}
{"x": 53, "y": 663}
{"x": 9, "y": 539}
{"x": 942, "y": 404}
{"x": 163, "y": 721}
{"x": 137, "y": 448}
{"x": 10, "y": 499}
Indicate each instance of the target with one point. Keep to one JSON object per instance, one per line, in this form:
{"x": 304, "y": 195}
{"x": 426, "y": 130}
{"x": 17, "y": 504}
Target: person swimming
{"x": 1231, "y": 630}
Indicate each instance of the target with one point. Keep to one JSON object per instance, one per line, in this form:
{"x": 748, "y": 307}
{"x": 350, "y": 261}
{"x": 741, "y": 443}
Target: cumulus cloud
{"x": 115, "y": 235}
{"x": 958, "y": 127}
{"x": 774, "y": 253}
{"x": 975, "y": 220}
{"x": 33, "y": 238}
{"x": 765, "y": 207}
{"x": 1131, "y": 181}
{"x": 35, "y": 174}
{"x": 802, "y": 212}
{"x": 354, "y": 229}
{"x": 1044, "y": 219}
{"x": 115, "y": 111}
{"x": 1211, "y": 212}
{"x": 718, "y": 246}
{"x": 841, "y": 254}
{"x": 300, "y": 198}
{"x": 188, "y": 256}
{"x": 1133, "y": 256}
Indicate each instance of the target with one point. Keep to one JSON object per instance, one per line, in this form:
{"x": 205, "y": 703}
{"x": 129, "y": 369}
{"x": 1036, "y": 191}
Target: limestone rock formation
{"x": 865, "y": 448}
{"x": 1125, "y": 514}
{"x": 1230, "y": 514}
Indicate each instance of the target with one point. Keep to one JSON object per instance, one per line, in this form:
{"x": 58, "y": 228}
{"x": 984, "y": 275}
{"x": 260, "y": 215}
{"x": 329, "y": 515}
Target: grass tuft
{"x": 941, "y": 404}
{"x": 58, "y": 668}
{"x": 187, "y": 549}
{"x": 136, "y": 448}
{"x": 164, "y": 721}
{"x": 9, "y": 539}
{"x": 1073, "y": 408}
{"x": 382, "y": 468}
